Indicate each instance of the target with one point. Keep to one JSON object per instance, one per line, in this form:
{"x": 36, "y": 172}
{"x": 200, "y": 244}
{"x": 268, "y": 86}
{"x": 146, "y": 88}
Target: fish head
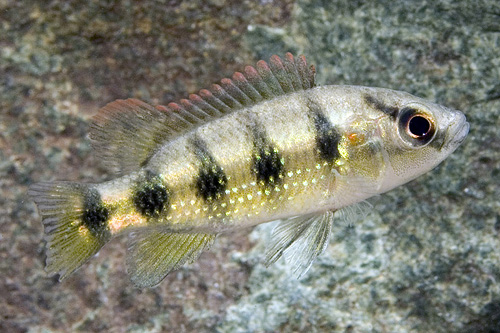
{"x": 416, "y": 137}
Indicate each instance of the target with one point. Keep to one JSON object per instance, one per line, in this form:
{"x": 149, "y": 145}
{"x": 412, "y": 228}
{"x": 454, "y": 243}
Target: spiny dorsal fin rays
{"x": 246, "y": 87}
{"x": 127, "y": 132}
{"x": 306, "y": 73}
{"x": 233, "y": 90}
{"x": 279, "y": 71}
{"x": 293, "y": 74}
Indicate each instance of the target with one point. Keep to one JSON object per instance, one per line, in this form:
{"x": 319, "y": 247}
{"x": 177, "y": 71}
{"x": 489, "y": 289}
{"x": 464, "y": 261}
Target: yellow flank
{"x": 245, "y": 202}
{"x": 305, "y": 181}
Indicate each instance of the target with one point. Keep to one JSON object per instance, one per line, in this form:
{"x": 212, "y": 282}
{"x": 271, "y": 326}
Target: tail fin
{"x": 75, "y": 224}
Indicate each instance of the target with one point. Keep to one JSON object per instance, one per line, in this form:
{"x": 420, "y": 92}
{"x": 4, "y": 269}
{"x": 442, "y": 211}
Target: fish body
{"x": 264, "y": 146}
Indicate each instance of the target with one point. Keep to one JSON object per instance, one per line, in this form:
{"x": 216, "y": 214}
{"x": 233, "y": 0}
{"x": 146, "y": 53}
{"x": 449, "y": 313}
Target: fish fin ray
{"x": 126, "y": 133}
{"x": 354, "y": 213}
{"x": 152, "y": 255}
{"x": 347, "y": 197}
{"x": 68, "y": 246}
{"x": 300, "y": 240}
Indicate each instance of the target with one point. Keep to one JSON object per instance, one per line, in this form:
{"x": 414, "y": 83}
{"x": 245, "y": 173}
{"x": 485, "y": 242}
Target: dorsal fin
{"x": 126, "y": 133}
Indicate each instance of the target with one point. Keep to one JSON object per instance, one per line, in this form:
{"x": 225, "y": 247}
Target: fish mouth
{"x": 457, "y": 132}
{"x": 462, "y": 132}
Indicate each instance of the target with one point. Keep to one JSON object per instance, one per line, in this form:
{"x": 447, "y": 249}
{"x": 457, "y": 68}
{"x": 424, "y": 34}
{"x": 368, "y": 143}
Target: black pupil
{"x": 419, "y": 126}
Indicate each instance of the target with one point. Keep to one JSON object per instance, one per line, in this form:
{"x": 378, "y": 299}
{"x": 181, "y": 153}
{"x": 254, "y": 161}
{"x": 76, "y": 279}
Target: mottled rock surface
{"x": 425, "y": 259}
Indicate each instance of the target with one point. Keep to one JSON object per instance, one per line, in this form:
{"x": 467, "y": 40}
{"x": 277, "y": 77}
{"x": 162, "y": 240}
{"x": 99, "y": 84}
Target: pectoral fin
{"x": 300, "y": 239}
{"x": 152, "y": 255}
{"x": 354, "y": 213}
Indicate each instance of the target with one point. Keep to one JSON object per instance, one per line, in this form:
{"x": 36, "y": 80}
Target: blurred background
{"x": 427, "y": 258}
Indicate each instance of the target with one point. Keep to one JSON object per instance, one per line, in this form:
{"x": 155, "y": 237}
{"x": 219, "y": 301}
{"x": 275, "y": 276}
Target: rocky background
{"x": 427, "y": 258}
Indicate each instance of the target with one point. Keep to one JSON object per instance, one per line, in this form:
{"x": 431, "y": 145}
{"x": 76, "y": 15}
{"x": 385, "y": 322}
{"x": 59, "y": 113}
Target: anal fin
{"x": 300, "y": 239}
{"x": 153, "y": 255}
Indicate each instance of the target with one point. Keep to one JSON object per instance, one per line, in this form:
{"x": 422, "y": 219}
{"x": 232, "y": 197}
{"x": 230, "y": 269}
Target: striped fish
{"x": 266, "y": 145}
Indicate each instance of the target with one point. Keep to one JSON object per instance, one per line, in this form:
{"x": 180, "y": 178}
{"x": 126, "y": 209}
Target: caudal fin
{"x": 75, "y": 224}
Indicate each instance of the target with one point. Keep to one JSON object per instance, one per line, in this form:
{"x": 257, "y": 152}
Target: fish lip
{"x": 462, "y": 132}
{"x": 457, "y": 132}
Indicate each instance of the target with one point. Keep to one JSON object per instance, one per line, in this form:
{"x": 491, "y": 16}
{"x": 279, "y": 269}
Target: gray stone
{"x": 426, "y": 257}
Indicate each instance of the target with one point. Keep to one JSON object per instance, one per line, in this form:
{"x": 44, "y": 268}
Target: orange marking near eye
{"x": 355, "y": 138}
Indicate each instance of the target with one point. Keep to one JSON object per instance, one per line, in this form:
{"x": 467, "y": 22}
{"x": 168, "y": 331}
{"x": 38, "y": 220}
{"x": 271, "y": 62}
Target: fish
{"x": 267, "y": 144}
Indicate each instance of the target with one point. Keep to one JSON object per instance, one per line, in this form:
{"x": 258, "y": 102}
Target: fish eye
{"x": 416, "y": 126}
